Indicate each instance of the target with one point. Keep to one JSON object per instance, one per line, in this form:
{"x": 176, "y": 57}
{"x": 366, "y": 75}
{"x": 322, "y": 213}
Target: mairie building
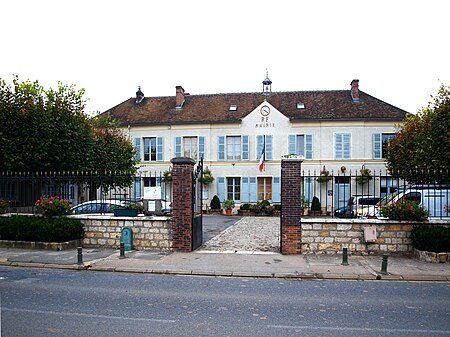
{"x": 243, "y": 136}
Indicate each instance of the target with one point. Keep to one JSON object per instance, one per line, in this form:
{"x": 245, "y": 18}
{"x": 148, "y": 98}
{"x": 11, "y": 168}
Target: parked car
{"x": 341, "y": 212}
{"x": 359, "y": 205}
{"x": 97, "y": 206}
{"x": 434, "y": 199}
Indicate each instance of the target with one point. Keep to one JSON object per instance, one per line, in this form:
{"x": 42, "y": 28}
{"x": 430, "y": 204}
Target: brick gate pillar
{"x": 182, "y": 196}
{"x": 291, "y": 210}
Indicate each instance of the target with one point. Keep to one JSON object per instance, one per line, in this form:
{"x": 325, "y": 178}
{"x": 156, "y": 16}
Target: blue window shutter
{"x": 221, "y": 148}
{"x": 347, "y": 146}
{"x": 177, "y": 146}
{"x": 137, "y": 144}
{"x": 221, "y": 188}
{"x": 201, "y": 147}
{"x": 253, "y": 189}
{"x": 245, "y": 190}
{"x": 159, "y": 149}
{"x": 291, "y": 144}
{"x": 269, "y": 147}
{"x": 308, "y": 189}
{"x": 259, "y": 145}
{"x": 245, "y": 148}
{"x": 376, "y": 146}
{"x": 308, "y": 147}
{"x": 338, "y": 146}
{"x": 137, "y": 187}
{"x": 276, "y": 189}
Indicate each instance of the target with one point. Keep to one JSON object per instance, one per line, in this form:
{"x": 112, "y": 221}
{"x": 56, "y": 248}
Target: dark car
{"x": 342, "y": 212}
{"x": 97, "y": 206}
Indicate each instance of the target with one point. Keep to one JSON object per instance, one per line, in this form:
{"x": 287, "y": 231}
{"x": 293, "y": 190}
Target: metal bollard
{"x": 80, "y": 255}
{"x": 122, "y": 250}
{"x": 384, "y": 265}
{"x": 344, "y": 257}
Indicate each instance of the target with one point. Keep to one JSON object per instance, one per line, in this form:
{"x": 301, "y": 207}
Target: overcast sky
{"x": 399, "y": 50}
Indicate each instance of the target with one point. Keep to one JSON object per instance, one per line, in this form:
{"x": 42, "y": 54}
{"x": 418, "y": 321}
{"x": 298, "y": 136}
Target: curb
{"x": 294, "y": 276}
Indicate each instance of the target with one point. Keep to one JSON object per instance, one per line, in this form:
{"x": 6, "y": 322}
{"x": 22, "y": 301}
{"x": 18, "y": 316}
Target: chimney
{"x": 355, "y": 90}
{"x": 179, "y": 97}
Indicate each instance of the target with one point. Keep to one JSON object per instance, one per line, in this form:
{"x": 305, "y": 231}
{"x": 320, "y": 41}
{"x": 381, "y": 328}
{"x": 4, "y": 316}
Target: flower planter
{"x": 228, "y": 212}
{"x": 125, "y": 212}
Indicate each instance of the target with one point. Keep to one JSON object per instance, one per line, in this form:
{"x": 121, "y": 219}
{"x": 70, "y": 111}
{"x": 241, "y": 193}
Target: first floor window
{"x": 233, "y": 147}
{"x": 301, "y": 145}
{"x": 191, "y": 147}
{"x": 264, "y": 188}
{"x": 342, "y": 145}
{"x": 150, "y": 149}
{"x": 380, "y": 143}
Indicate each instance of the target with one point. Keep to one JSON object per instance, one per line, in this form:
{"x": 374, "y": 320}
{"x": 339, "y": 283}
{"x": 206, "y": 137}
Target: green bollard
{"x": 344, "y": 257}
{"x": 122, "y": 250}
{"x": 384, "y": 265}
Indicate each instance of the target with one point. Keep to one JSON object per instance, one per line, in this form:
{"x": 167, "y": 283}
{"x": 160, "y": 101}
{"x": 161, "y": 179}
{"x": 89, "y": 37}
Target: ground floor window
{"x": 234, "y": 188}
{"x": 264, "y": 188}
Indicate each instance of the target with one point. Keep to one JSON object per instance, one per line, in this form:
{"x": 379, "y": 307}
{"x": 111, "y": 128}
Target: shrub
{"x": 4, "y": 204}
{"x": 315, "y": 205}
{"x": 52, "y": 206}
{"x": 215, "y": 202}
{"x": 245, "y": 207}
{"x": 431, "y": 238}
{"x": 32, "y": 228}
{"x": 404, "y": 210}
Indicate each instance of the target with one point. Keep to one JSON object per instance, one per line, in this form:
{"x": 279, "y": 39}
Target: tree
{"x": 421, "y": 146}
{"x": 47, "y": 130}
{"x": 43, "y": 130}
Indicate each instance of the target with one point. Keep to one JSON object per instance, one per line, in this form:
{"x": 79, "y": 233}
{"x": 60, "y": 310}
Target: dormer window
{"x": 233, "y": 107}
{"x": 300, "y": 106}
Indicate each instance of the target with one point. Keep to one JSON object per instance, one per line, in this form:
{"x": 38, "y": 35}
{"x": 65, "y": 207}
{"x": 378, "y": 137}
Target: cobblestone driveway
{"x": 249, "y": 234}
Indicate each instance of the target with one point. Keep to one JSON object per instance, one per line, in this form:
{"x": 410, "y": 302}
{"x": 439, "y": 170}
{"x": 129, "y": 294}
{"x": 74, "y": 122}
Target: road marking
{"x": 308, "y": 327}
{"x": 90, "y": 315}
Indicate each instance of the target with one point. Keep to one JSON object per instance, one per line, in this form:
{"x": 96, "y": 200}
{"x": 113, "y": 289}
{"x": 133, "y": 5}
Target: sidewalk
{"x": 247, "y": 248}
{"x": 239, "y": 264}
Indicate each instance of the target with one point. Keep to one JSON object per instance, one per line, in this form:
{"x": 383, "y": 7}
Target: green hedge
{"x": 33, "y": 228}
{"x": 431, "y": 238}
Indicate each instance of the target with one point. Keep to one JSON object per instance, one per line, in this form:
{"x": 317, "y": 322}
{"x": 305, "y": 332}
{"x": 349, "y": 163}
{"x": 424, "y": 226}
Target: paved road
{"x": 37, "y": 302}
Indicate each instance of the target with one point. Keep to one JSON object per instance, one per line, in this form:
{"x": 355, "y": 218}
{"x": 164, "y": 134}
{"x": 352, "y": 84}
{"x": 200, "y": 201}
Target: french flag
{"x": 261, "y": 158}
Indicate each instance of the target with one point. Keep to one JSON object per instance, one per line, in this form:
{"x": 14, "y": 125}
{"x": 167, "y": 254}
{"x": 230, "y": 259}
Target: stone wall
{"x": 329, "y": 236}
{"x": 149, "y": 233}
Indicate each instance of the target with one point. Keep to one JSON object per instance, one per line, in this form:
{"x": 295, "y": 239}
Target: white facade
{"x": 337, "y": 145}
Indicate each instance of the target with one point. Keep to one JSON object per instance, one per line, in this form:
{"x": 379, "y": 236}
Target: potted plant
{"x": 131, "y": 209}
{"x": 324, "y": 176}
{"x": 167, "y": 176}
{"x": 364, "y": 177}
{"x": 207, "y": 177}
{"x": 228, "y": 204}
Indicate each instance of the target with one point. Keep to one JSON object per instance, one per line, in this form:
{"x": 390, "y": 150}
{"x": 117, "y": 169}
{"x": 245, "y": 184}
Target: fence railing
{"x": 330, "y": 193}
{"x": 22, "y": 190}
{"x": 323, "y": 193}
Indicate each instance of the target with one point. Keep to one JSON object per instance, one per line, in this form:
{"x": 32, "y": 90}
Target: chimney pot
{"x": 355, "y": 90}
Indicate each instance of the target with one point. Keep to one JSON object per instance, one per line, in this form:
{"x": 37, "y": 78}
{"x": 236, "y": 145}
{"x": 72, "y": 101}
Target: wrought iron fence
{"x": 353, "y": 194}
{"x": 23, "y": 189}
